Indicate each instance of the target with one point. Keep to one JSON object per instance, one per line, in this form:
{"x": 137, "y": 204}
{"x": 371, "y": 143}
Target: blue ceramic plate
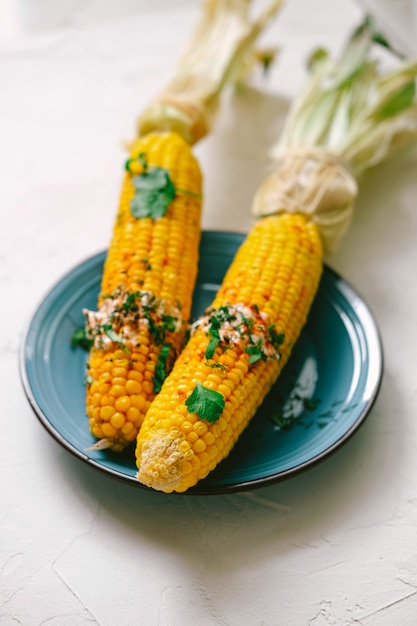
{"x": 324, "y": 393}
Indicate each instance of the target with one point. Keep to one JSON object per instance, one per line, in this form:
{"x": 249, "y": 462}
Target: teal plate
{"x": 322, "y": 396}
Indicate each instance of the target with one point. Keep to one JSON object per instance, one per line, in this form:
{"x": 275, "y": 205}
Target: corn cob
{"x": 145, "y": 298}
{"x": 262, "y": 306}
{"x": 150, "y": 271}
{"x": 240, "y": 346}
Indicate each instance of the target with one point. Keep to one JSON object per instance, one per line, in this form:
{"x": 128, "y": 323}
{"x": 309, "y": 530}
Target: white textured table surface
{"x": 336, "y": 545}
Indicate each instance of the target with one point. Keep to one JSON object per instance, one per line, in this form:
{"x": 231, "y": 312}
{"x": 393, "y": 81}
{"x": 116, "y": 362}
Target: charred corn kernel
{"x": 157, "y": 257}
{"x": 275, "y": 275}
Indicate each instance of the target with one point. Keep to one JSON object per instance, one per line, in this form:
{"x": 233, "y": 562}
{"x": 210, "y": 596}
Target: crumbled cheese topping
{"x": 123, "y": 315}
{"x": 241, "y": 326}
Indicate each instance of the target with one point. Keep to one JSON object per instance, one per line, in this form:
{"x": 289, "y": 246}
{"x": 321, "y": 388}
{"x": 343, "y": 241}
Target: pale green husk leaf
{"x": 351, "y": 108}
{"x": 219, "y": 50}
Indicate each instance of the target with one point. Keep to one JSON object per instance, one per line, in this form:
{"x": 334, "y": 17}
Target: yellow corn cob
{"x": 273, "y": 278}
{"x": 347, "y": 119}
{"x": 152, "y": 261}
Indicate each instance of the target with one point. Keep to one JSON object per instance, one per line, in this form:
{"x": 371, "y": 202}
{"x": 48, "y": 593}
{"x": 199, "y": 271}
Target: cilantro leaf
{"x": 161, "y": 367}
{"x": 206, "y": 403}
{"x": 154, "y": 193}
{"x": 215, "y": 323}
{"x": 114, "y": 337}
{"x": 255, "y": 354}
{"x": 169, "y": 323}
{"x": 140, "y": 159}
{"x": 79, "y": 338}
{"x": 277, "y": 339}
{"x": 212, "y": 345}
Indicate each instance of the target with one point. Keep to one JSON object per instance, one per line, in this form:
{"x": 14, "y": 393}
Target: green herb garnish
{"x": 154, "y": 193}
{"x": 169, "y": 323}
{"x": 277, "y": 339}
{"x": 154, "y": 190}
{"x": 161, "y": 369}
{"x": 80, "y": 339}
{"x": 113, "y": 336}
{"x": 255, "y": 354}
{"x": 206, "y": 403}
{"x": 220, "y": 366}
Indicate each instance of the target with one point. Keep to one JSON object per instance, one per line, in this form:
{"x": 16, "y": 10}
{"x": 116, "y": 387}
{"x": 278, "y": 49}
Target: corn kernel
{"x": 186, "y": 467}
{"x": 119, "y": 372}
{"x": 200, "y": 428}
{"x": 107, "y": 400}
{"x": 122, "y": 403}
{"x": 134, "y": 375}
{"x": 138, "y": 401}
{"x": 117, "y": 420}
{"x": 199, "y": 446}
{"x": 133, "y": 387}
{"x": 106, "y": 412}
{"x": 147, "y": 387}
{"x": 118, "y": 382}
{"x": 192, "y": 436}
{"x": 209, "y": 438}
{"x": 133, "y": 414}
{"x": 117, "y": 390}
{"x": 128, "y": 428}
{"x": 187, "y": 427}
{"x": 108, "y": 430}
{"x": 96, "y": 399}
{"x": 184, "y": 446}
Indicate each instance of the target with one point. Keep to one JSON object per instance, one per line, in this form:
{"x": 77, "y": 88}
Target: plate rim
{"x": 199, "y": 489}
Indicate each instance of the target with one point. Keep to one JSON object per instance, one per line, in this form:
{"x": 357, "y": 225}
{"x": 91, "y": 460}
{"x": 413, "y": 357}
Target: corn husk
{"x": 349, "y": 117}
{"x": 222, "y": 44}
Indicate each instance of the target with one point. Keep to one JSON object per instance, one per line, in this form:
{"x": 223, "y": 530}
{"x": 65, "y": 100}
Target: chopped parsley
{"x": 120, "y": 319}
{"x": 154, "y": 190}
{"x": 206, "y": 403}
{"x": 243, "y": 326}
{"x": 255, "y": 354}
{"x": 113, "y": 336}
{"x": 161, "y": 368}
{"x": 80, "y": 339}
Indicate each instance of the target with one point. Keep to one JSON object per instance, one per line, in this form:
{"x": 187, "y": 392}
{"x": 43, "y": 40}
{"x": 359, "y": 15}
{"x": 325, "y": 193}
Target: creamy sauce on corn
{"x": 242, "y": 326}
{"x": 123, "y": 315}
